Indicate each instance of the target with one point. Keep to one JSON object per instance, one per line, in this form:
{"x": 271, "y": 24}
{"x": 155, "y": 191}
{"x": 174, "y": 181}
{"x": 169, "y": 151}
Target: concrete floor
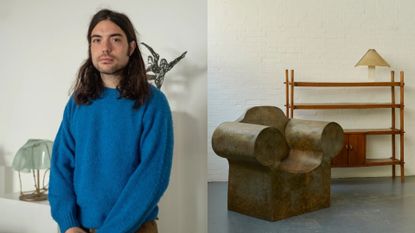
{"x": 358, "y": 205}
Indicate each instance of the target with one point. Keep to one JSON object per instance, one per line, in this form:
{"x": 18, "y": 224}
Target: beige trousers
{"x": 148, "y": 227}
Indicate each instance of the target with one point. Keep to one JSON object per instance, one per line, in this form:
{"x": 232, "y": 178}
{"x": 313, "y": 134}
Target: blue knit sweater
{"x": 111, "y": 163}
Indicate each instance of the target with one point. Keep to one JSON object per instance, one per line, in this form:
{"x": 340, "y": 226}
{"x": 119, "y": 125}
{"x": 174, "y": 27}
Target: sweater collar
{"x": 107, "y": 91}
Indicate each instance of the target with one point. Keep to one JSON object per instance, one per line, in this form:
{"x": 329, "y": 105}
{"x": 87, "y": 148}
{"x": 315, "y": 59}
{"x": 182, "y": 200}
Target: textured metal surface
{"x": 265, "y": 115}
{"x": 257, "y": 144}
{"x": 277, "y": 167}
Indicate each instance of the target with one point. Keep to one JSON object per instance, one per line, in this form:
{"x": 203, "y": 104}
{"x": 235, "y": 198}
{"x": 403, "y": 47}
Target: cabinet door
{"x": 357, "y": 149}
{"x": 342, "y": 159}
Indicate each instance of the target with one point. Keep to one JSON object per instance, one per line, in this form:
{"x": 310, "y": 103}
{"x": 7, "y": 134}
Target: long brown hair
{"x": 133, "y": 84}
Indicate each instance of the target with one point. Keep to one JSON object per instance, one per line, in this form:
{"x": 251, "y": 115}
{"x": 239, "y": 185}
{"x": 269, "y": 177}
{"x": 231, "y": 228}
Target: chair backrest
{"x": 265, "y": 115}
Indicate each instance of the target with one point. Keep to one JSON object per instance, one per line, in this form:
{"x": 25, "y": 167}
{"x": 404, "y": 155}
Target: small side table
{"x": 25, "y": 217}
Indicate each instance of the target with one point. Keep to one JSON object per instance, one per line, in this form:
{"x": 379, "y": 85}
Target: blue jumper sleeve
{"x": 149, "y": 180}
{"x": 62, "y": 197}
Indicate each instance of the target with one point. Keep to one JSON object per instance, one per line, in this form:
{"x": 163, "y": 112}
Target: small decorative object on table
{"x": 157, "y": 71}
{"x": 34, "y": 156}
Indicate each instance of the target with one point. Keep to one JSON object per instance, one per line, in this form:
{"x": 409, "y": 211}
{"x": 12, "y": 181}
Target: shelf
{"x": 381, "y": 162}
{"x": 344, "y": 105}
{"x": 353, "y": 153}
{"x": 346, "y": 84}
{"x": 372, "y": 131}
{"x": 371, "y": 162}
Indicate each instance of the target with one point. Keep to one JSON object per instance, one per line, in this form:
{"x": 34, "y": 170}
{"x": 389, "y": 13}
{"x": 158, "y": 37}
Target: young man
{"x": 112, "y": 155}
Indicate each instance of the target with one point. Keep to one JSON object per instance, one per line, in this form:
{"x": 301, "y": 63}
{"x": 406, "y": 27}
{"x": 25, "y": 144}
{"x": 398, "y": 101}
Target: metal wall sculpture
{"x": 157, "y": 70}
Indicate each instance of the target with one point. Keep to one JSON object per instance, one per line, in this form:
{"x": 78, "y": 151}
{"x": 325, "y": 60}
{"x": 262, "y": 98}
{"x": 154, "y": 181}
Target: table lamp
{"x": 372, "y": 59}
{"x": 33, "y": 157}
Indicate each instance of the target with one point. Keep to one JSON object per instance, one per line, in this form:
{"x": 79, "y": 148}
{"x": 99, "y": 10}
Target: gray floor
{"x": 363, "y": 205}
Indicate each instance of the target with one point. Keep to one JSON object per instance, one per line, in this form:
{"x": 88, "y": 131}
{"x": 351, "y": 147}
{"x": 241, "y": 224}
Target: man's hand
{"x": 75, "y": 230}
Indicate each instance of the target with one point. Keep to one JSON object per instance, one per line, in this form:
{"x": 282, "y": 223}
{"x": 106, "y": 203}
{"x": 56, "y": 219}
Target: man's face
{"x": 110, "y": 49}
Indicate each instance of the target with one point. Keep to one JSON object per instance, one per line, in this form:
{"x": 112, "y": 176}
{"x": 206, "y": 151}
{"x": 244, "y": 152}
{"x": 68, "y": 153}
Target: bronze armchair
{"x": 278, "y": 167}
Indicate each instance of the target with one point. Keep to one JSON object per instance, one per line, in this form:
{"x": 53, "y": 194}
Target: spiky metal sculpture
{"x": 159, "y": 69}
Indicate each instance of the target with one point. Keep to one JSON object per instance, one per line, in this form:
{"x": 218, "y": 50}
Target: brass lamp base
{"x": 35, "y": 196}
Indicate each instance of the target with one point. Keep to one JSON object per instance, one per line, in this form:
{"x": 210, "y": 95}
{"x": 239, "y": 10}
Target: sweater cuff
{"x": 68, "y": 221}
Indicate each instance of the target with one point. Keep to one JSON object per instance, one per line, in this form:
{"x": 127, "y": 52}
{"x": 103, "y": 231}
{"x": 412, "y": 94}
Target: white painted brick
{"x": 251, "y": 43}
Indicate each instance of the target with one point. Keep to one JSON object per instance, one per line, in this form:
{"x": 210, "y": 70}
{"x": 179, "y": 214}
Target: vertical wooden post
{"x": 402, "y": 126}
{"x": 292, "y": 95}
{"x": 286, "y": 95}
{"x": 393, "y": 127}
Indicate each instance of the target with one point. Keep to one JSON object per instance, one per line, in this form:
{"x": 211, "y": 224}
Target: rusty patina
{"x": 278, "y": 167}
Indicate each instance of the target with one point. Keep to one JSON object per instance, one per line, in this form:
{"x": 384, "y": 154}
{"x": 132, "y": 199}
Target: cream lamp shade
{"x": 371, "y": 59}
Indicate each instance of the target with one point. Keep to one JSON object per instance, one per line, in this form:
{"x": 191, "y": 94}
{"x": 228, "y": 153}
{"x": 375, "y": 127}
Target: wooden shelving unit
{"x": 354, "y": 151}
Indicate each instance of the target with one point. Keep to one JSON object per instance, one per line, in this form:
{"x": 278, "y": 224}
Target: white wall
{"x": 42, "y": 45}
{"x": 250, "y": 43}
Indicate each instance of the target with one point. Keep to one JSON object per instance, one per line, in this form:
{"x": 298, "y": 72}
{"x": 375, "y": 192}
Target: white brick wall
{"x": 250, "y": 43}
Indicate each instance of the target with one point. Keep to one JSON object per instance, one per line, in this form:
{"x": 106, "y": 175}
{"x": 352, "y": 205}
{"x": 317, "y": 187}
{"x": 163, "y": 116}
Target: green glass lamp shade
{"x": 33, "y": 155}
